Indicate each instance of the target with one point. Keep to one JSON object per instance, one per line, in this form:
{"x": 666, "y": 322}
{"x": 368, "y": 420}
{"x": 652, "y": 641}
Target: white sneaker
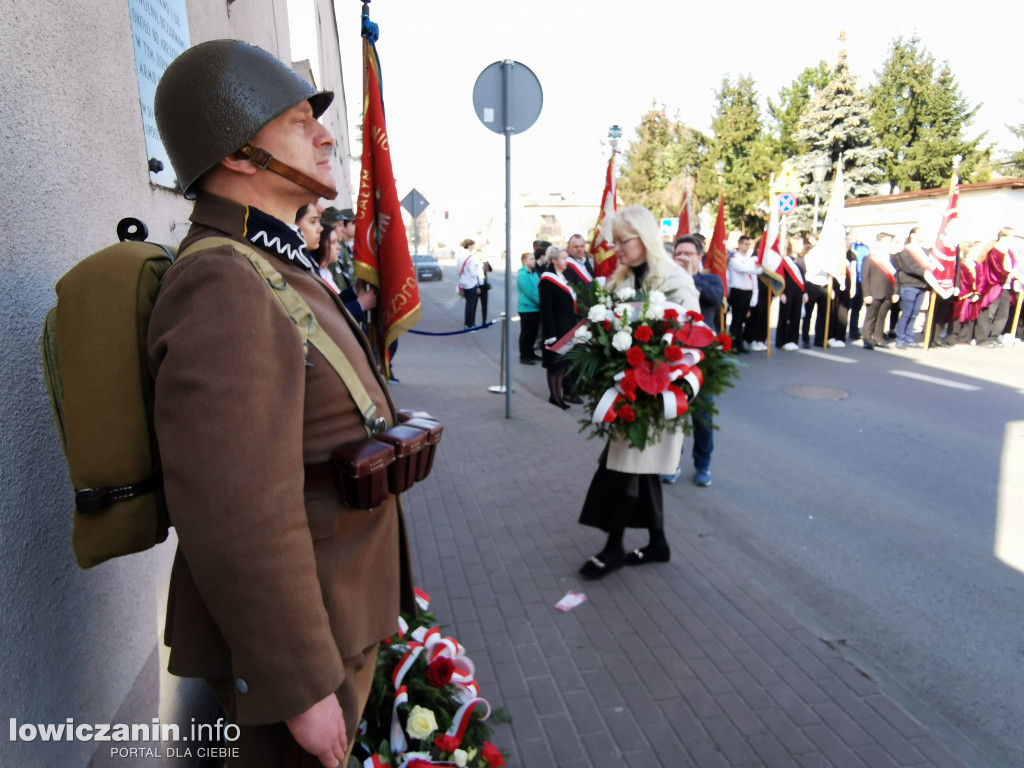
{"x": 836, "y": 343}
{"x": 789, "y": 346}
{"x": 758, "y": 346}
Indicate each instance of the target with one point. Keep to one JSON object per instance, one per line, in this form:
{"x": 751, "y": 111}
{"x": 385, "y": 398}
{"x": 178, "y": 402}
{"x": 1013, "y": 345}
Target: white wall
{"x": 72, "y": 163}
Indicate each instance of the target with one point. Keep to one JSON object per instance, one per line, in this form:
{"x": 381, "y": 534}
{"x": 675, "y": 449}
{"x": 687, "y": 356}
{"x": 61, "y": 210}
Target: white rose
{"x": 657, "y": 297}
{"x": 598, "y": 313}
{"x": 622, "y": 341}
{"x": 582, "y": 334}
{"x": 625, "y": 293}
{"x": 421, "y": 722}
{"x": 460, "y": 757}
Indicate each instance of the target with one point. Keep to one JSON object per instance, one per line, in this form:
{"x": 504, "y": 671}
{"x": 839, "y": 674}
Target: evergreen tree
{"x": 740, "y": 142}
{"x": 792, "y": 103}
{"x": 920, "y": 116}
{"x": 1014, "y": 165}
{"x": 837, "y": 124}
{"x": 655, "y": 163}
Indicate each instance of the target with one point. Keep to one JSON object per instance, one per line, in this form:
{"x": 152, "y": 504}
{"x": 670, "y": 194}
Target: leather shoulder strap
{"x": 309, "y": 329}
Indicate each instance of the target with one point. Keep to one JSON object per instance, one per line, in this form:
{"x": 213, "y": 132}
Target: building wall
{"x": 80, "y": 644}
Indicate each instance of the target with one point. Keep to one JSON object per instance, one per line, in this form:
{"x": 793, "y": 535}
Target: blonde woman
{"x": 626, "y": 489}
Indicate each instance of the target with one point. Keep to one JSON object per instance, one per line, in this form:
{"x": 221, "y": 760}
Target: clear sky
{"x": 602, "y": 63}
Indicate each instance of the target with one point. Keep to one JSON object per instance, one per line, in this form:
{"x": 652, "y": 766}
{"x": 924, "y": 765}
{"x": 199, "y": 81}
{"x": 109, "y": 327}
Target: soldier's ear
{"x": 239, "y": 163}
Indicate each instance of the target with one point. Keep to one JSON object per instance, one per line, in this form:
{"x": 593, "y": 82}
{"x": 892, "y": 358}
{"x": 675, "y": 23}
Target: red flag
{"x": 605, "y": 259}
{"x": 717, "y": 258}
{"x": 685, "y": 215}
{"x": 381, "y": 255}
{"x": 944, "y": 251}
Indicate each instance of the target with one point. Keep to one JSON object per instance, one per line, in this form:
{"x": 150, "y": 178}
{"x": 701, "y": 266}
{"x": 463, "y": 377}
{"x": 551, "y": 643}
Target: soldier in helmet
{"x": 279, "y": 594}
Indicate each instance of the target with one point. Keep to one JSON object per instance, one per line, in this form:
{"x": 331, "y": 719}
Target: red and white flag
{"x": 381, "y": 247}
{"x": 685, "y": 216}
{"x": 717, "y": 258}
{"x": 601, "y": 249}
{"x": 944, "y": 251}
{"x": 769, "y": 252}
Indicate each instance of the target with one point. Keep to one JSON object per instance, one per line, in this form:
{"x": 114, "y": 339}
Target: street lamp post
{"x": 818, "y": 174}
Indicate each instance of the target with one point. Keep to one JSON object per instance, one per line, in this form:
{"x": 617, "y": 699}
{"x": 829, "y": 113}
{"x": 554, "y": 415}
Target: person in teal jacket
{"x": 528, "y": 306}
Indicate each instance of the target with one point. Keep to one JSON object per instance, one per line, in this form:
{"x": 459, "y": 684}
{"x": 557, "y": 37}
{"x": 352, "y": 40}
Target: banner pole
{"x": 928, "y": 322}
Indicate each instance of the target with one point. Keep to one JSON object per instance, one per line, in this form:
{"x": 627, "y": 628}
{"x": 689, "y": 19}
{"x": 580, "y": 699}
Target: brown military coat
{"x": 272, "y": 586}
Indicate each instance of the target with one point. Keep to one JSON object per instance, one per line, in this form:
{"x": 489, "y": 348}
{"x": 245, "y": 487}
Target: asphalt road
{"x": 880, "y": 496}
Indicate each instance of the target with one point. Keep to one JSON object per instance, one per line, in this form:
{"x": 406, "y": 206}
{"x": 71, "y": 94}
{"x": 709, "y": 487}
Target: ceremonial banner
{"x": 944, "y": 251}
{"x": 605, "y": 260}
{"x": 769, "y": 252}
{"x": 685, "y": 216}
{"x": 829, "y": 255}
{"x": 717, "y": 259}
{"x": 381, "y": 248}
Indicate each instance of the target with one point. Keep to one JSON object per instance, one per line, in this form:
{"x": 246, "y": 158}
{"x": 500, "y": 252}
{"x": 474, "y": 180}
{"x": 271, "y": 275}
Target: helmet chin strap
{"x": 265, "y": 160}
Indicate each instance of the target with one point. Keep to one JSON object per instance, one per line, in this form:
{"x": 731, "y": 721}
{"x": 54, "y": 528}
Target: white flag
{"x": 829, "y": 255}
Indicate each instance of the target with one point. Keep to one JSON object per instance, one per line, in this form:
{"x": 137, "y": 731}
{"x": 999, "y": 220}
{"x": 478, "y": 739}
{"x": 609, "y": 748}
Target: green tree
{"x": 836, "y": 124}
{"x": 921, "y": 116}
{"x": 792, "y": 103}
{"x": 1014, "y": 165}
{"x": 744, "y": 147}
{"x": 655, "y": 163}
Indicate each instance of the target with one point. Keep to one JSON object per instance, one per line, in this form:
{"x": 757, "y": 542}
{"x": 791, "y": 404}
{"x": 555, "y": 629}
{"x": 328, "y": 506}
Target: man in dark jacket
{"x": 911, "y": 263}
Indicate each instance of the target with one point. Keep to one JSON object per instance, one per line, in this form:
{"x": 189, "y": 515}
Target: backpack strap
{"x": 309, "y": 329}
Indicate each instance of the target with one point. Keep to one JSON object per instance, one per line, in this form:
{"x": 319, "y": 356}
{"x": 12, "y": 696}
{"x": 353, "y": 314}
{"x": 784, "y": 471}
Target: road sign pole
{"x": 506, "y": 78}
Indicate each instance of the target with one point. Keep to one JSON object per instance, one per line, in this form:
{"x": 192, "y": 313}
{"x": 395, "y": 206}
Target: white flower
{"x": 622, "y": 341}
{"x": 625, "y": 293}
{"x": 583, "y": 334}
{"x": 598, "y": 313}
{"x": 656, "y": 297}
{"x": 656, "y": 312}
{"x": 622, "y": 310}
{"x": 607, "y": 301}
{"x": 460, "y": 757}
{"x": 421, "y": 723}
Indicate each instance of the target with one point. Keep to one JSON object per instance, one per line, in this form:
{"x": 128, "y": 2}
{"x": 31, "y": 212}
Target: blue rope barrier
{"x": 488, "y": 324}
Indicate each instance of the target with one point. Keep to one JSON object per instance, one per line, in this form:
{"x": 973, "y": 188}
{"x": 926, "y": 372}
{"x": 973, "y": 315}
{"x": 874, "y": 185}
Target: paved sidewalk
{"x": 687, "y": 663}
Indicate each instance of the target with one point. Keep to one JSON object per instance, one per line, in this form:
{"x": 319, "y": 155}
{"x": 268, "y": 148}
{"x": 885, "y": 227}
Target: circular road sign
{"x": 787, "y": 203}
{"x": 524, "y": 97}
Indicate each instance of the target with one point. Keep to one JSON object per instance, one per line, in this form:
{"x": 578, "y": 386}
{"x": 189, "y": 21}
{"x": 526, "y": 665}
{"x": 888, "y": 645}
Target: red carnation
{"x": 643, "y": 333}
{"x": 439, "y": 671}
{"x": 725, "y": 340}
{"x": 492, "y": 755}
{"x": 671, "y": 314}
{"x": 607, "y": 325}
{"x": 626, "y": 413}
{"x": 673, "y": 354}
{"x": 447, "y": 743}
{"x": 635, "y": 356}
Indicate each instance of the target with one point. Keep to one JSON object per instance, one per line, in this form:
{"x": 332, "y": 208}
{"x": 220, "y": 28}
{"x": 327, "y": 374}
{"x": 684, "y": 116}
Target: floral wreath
{"x": 640, "y": 365}
{"x": 424, "y": 707}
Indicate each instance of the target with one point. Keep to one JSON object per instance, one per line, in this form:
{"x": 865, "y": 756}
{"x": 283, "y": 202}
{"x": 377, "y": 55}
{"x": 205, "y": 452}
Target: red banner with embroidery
{"x": 717, "y": 259}
{"x": 685, "y": 215}
{"x": 381, "y": 247}
{"x": 605, "y": 259}
{"x": 944, "y": 251}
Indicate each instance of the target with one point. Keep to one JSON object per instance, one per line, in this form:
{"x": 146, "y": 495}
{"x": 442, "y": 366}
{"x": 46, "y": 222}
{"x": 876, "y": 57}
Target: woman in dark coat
{"x": 557, "y": 318}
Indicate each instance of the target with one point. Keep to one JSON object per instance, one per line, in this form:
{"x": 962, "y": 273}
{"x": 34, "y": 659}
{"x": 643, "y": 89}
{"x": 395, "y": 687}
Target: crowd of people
{"x": 888, "y": 282}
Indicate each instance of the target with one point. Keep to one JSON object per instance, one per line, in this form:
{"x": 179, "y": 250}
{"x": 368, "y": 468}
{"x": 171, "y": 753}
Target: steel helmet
{"x": 216, "y": 96}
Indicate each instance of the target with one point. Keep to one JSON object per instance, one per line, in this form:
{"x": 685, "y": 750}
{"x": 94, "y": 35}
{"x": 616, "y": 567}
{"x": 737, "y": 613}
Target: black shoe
{"x": 649, "y": 554}
{"x": 868, "y": 345}
{"x": 574, "y": 400}
{"x": 527, "y": 361}
{"x": 559, "y": 403}
{"x": 596, "y": 568}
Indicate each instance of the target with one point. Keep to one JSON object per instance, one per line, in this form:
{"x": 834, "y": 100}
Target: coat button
{"x": 241, "y": 685}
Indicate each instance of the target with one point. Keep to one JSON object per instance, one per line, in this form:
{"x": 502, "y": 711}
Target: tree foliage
{"x": 656, "y": 162}
{"x": 793, "y": 100}
{"x": 920, "y": 116}
{"x": 742, "y": 144}
{"x": 836, "y": 124}
{"x": 1015, "y": 162}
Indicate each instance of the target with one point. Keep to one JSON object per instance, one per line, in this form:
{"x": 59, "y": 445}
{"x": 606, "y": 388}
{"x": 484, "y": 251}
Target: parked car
{"x": 427, "y": 267}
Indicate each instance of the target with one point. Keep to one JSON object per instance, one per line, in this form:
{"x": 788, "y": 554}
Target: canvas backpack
{"x": 95, "y": 365}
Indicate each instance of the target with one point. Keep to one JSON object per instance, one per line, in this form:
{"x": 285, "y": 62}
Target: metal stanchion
{"x": 499, "y": 388}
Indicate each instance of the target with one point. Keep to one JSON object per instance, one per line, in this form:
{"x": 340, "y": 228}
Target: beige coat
{"x": 661, "y": 457}
{"x": 273, "y": 586}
